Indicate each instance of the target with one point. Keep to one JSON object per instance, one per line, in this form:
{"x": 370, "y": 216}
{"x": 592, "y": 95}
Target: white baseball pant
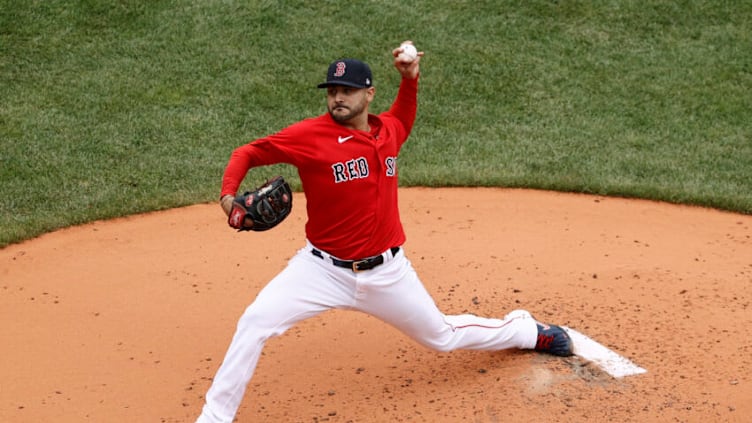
{"x": 391, "y": 292}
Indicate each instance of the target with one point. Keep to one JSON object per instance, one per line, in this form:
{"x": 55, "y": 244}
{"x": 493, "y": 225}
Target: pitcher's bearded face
{"x": 346, "y": 103}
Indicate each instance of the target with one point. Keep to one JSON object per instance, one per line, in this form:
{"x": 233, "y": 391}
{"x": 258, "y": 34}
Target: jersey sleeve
{"x": 405, "y": 105}
{"x": 272, "y": 149}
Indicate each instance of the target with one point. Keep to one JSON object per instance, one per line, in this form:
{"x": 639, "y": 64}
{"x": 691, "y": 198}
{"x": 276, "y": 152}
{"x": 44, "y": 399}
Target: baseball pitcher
{"x": 353, "y": 257}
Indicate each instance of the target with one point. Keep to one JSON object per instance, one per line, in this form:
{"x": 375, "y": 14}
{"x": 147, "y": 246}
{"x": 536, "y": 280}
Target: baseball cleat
{"x": 553, "y": 340}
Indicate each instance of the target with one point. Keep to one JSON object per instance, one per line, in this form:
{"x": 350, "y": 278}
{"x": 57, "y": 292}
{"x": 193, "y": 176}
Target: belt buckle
{"x": 356, "y": 263}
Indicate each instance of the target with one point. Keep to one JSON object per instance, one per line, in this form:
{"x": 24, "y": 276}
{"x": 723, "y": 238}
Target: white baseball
{"x": 409, "y": 53}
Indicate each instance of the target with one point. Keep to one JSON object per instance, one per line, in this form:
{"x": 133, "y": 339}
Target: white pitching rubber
{"x": 611, "y": 362}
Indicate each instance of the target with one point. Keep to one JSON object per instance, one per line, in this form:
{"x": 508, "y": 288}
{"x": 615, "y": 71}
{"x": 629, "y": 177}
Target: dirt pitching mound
{"x": 127, "y": 320}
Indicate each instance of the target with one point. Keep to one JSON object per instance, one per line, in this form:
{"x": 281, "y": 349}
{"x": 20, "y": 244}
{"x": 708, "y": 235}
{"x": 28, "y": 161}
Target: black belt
{"x": 357, "y": 265}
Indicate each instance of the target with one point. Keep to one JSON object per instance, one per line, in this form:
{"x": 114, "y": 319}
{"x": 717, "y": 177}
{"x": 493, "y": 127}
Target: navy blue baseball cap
{"x": 348, "y": 72}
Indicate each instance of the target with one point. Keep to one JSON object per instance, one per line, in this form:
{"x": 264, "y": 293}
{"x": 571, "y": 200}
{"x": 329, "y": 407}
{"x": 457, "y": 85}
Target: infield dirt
{"x": 127, "y": 320}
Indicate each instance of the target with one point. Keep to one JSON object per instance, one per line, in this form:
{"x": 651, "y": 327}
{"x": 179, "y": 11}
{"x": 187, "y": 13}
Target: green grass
{"x": 118, "y": 107}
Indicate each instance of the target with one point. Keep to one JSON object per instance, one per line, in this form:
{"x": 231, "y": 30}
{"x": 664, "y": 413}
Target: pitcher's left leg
{"x": 395, "y": 294}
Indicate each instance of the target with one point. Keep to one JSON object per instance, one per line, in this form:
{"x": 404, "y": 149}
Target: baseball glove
{"x": 262, "y": 209}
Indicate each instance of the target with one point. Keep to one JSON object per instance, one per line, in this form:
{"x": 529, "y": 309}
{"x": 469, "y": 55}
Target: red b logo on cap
{"x": 340, "y": 69}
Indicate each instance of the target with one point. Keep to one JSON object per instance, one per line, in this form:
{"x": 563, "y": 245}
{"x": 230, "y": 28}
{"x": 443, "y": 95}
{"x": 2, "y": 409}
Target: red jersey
{"x": 349, "y": 176}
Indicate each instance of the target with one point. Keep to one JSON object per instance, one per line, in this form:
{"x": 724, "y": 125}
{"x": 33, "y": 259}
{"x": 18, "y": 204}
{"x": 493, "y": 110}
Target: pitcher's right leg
{"x": 302, "y": 290}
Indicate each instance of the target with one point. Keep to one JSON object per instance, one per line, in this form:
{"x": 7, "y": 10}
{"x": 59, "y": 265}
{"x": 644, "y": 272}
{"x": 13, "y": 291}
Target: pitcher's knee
{"x": 441, "y": 347}
{"x": 258, "y": 325}
{"x": 441, "y": 342}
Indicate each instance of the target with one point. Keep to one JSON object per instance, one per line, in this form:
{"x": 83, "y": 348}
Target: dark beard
{"x": 345, "y": 118}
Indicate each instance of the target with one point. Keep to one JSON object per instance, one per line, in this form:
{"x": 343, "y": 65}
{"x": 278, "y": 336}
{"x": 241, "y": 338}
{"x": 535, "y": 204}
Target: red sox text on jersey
{"x": 358, "y": 168}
